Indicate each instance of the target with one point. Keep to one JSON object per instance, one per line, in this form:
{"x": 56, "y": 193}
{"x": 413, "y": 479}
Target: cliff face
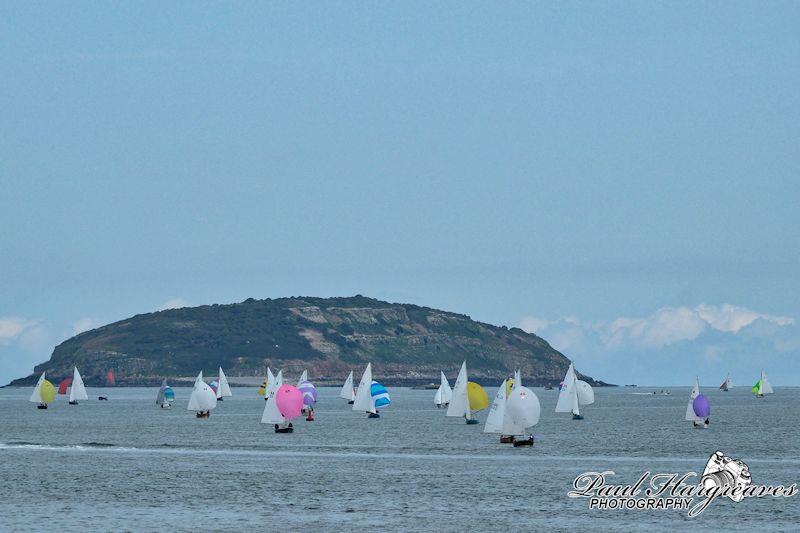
{"x": 407, "y": 344}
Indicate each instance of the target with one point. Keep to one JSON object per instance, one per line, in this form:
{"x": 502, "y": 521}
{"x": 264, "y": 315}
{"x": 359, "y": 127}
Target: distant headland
{"x": 407, "y": 344}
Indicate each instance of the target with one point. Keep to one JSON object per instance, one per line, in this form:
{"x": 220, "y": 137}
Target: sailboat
{"x": 512, "y": 413}
{"x": 694, "y": 415}
{"x": 444, "y": 393}
{"x": 347, "y": 392}
{"x": 223, "y": 389}
{"x": 43, "y": 393}
{"x": 762, "y": 386}
{"x": 727, "y": 384}
{"x": 203, "y": 399}
{"x": 468, "y": 397}
{"x": 77, "y": 391}
{"x": 285, "y": 404}
{"x": 365, "y": 400}
{"x": 165, "y": 396}
{"x": 309, "y": 392}
{"x": 574, "y": 393}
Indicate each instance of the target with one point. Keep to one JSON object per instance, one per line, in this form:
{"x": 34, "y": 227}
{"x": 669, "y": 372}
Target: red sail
{"x": 110, "y": 381}
{"x": 64, "y": 385}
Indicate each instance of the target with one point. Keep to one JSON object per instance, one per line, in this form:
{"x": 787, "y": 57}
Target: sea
{"x": 126, "y": 465}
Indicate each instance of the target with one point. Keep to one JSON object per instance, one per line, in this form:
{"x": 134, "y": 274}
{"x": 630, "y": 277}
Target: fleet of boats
{"x": 514, "y": 410}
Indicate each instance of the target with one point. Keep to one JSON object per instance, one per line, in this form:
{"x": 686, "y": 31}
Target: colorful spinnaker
{"x": 64, "y": 385}
{"x": 165, "y": 395}
{"x": 309, "y": 392}
{"x": 110, "y": 380}
{"x": 379, "y": 394}
{"x": 701, "y": 407}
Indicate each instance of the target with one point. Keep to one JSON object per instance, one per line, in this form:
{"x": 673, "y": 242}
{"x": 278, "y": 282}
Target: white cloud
{"x": 732, "y": 318}
{"x": 11, "y": 328}
{"x": 531, "y": 324}
{"x": 174, "y": 303}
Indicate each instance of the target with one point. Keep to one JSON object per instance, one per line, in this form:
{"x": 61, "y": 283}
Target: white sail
{"x": 199, "y": 378}
{"x": 270, "y": 379}
{"x": 273, "y": 384}
{"x": 271, "y": 413}
{"x": 36, "y": 395}
{"x": 160, "y": 399}
{"x": 203, "y": 397}
{"x": 585, "y": 392}
{"x": 494, "y": 420}
{"x": 363, "y": 399}
{"x": 766, "y": 388}
{"x": 517, "y": 380}
{"x": 347, "y": 392}
{"x": 303, "y": 377}
{"x": 444, "y": 393}
{"x": 77, "y": 391}
{"x": 690, "y": 416}
{"x": 223, "y": 389}
{"x": 279, "y": 380}
{"x": 568, "y": 396}
{"x": 459, "y": 403}
{"x": 522, "y": 411}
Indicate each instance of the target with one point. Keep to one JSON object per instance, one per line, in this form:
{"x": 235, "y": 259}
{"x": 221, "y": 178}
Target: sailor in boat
{"x": 287, "y": 429}
{"x": 42, "y": 406}
{"x": 523, "y": 441}
{"x": 102, "y": 398}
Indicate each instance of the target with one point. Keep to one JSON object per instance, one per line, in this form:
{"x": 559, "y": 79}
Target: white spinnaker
{"x": 36, "y": 395}
{"x": 568, "y": 396}
{"x": 522, "y": 411}
{"x": 363, "y": 399}
{"x": 690, "y": 416}
{"x": 271, "y": 413}
{"x": 447, "y": 392}
{"x": 585, "y": 392}
{"x": 223, "y": 389}
{"x": 494, "y": 420}
{"x": 303, "y": 377}
{"x": 78, "y": 390}
{"x": 203, "y": 398}
{"x": 459, "y": 403}
{"x": 347, "y": 392}
{"x": 766, "y": 388}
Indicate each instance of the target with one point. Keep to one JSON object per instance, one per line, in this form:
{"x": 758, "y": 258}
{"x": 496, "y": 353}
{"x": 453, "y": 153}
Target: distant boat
{"x": 468, "y": 397}
{"x": 762, "y": 386}
{"x": 574, "y": 393}
{"x": 165, "y": 396}
{"x": 370, "y": 395}
{"x": 110, "y": 380}
{"x": 348, "y": 392}
{"x": 223, "y": 389}
{"x": 285, "y": 404}
{"x": 203, "y": 399}
{"x": 77, "y": 391}
{"x": 444, "y": 393}
{"x": 548, "y": 387}
{"x": 727, "y": 384}
{"x": 43, "y": 393}
{"x": 309, "y": 392}
{"x": 695, "y": 413}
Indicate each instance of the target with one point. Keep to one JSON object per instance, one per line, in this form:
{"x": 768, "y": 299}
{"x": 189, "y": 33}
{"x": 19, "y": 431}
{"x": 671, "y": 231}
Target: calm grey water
{"x": 127, "y": 465}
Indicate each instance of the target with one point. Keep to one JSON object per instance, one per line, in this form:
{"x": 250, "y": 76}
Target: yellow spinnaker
{"x": 478, "y": 399}
{"x": 262, "y": 390}
{"x": 509, "y": 384}
{"x": 47, "y": 391}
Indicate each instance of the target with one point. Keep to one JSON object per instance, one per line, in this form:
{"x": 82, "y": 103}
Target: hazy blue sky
{"x": 561, "y": 166}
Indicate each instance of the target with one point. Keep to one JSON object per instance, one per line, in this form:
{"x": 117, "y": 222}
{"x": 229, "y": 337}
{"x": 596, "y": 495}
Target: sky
{"x": 622, "y": 179}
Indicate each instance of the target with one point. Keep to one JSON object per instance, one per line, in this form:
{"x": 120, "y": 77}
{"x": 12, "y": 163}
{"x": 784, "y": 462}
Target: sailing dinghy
{"x": 223, "y": 389}
{"x": 727, "y": 384}
{"x": 444, "y": 393}
{"x": 203, "y": 399}
{"x": 165, "y": 396}
{"x": 43, "y": 393}
{"x": 78, "y": 390}
{"x": 348, "y": 392}
{"x": 370, "y": 395}
{"x": 697, "y": 410}
{"x": 574, "y": 393}
{"x": 284, "y": 405}
{"x": 762, "y": 386}
{"x": 468, "y": 398}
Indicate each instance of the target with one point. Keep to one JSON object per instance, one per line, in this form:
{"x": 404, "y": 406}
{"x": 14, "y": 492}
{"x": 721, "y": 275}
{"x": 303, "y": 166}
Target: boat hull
{"x": 523, "y": 442}
{"x": 577, "y": 417}
{"x": 203, "y": 415}
{"x": 471, "y": 421}
{"x": 41, "y": 406}
{"x": 506, "y": 439}
{"x": 373, "y": 415}
{"x": 73, "y": 403}
{"x": 284, "y": 430}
